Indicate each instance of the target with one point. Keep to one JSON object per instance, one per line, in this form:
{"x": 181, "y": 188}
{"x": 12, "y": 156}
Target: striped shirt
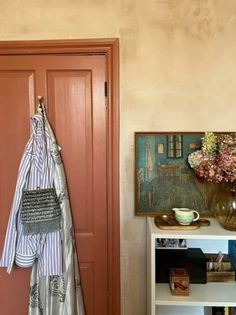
{"x": 36, "y": 169}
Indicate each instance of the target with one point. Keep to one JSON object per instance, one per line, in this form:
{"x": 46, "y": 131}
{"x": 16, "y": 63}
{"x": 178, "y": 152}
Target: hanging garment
{"x": 37, "y": 169}
{"x": 59, "y": 295}
{"x": 40, "y": 209}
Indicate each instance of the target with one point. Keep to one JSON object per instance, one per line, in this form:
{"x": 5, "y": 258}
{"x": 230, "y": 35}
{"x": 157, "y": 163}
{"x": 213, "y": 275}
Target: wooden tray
{"x": 171, "y": 224}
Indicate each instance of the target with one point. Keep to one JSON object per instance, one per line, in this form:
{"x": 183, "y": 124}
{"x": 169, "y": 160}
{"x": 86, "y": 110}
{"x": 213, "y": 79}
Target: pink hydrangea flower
{"x": 217, "y": 167}
{"x": 195, "y": 158}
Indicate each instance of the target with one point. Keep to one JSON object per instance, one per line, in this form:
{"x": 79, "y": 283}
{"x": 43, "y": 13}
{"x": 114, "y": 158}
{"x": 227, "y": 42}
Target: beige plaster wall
{"x": 178, "y": 68}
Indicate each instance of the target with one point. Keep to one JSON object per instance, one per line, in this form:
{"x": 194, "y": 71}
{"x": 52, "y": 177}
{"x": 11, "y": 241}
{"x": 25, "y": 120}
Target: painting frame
{"x": 172, "y": 172}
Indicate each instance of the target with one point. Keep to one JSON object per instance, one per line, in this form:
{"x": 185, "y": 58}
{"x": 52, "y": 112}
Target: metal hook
{"x": 40, "y": 105}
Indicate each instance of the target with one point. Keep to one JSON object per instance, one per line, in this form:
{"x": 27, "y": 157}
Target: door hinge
{"x": 105, "y": 89}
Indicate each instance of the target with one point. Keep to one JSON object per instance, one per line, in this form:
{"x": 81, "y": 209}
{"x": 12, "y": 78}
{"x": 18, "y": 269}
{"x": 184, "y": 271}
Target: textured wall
{"x": 178, "y": 67}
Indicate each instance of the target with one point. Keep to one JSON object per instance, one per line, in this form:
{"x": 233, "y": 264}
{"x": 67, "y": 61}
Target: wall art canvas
{"x": 163, "y": 177}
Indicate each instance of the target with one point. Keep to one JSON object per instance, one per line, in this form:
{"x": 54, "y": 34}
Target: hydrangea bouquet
{"x": 216, "y": 160}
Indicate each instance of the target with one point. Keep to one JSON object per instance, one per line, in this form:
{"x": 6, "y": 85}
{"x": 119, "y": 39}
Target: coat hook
{"x": 40, "y": 100}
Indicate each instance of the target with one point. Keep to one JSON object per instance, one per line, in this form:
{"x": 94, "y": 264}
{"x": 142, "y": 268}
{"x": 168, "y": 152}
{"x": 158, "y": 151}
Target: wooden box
{"x": 179, "y": 282}
{"x": 219, "y": 271}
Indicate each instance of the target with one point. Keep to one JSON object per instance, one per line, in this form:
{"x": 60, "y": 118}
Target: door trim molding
{"x": 109, "y": 47}
{"x": 59, "y": 46}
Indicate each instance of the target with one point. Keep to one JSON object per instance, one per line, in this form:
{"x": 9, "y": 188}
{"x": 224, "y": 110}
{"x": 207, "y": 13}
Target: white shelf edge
{"x": 214, "y": 231}
{"x": 210, "y": 294}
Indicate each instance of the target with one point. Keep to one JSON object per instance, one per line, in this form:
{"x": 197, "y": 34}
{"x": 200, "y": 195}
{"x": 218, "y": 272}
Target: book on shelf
{"x": 232, "y": 310}
{"x": 218, "y": 310}
{"x": 171, "y": 243}
{"x": 232, "y": 252}
{"x": 223, "y": 310}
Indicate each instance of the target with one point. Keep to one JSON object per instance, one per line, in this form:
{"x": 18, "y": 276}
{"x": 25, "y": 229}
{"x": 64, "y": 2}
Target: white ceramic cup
{"x": 185, "y": 216}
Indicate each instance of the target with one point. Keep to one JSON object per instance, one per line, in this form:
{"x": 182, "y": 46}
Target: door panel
{"x": 67, "y": 96}
{"x": 87, "y": 274}
{"x": 70, "y": 101}
{"x": 73, "y": 88}
{"x": 14, "y": 86}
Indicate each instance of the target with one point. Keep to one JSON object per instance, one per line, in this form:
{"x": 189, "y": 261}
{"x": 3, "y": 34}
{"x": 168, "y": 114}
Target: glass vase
{"x": 224, "y": 205}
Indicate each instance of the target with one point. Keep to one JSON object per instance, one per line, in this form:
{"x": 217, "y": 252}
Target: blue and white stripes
{"x": 36, "y": 170}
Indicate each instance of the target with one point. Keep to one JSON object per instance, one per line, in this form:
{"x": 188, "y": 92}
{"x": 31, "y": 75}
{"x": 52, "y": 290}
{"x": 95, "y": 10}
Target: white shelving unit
{"x": 210, "y": 294}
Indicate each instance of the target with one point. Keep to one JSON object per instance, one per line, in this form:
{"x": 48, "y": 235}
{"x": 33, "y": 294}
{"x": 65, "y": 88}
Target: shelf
{"x": 214, "y": 231}
{"x": 201, "y": 295}
{"x": 210, "y": 294}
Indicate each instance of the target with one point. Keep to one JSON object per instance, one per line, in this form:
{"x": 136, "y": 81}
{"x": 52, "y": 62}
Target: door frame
{"x": 110, "y": 48}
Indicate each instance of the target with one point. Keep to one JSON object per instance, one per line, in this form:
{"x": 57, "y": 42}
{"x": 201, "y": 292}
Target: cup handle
{"x": 198, "y": 215}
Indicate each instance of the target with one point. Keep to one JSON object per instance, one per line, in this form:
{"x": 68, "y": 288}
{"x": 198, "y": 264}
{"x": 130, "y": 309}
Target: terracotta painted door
{"x": 73, "y": 89}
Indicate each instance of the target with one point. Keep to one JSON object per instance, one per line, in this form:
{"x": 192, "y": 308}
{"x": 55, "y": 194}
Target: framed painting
{"x": 163, "y": 177}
